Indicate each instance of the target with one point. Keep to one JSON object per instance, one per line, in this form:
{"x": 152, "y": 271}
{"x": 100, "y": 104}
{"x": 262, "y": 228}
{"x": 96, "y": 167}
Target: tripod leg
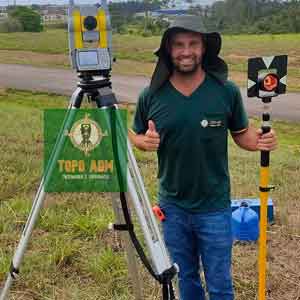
{"x": 143, "y": 207}
{"x": 119, "y": 217}
{"x": 144, "y": 212}
{"x": 146, "y": 218}
{"x": 130, "y": 254}
{"x": 40, "y": 195}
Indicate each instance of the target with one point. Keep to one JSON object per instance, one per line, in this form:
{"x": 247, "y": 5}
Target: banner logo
{"x": 86, "y": 134}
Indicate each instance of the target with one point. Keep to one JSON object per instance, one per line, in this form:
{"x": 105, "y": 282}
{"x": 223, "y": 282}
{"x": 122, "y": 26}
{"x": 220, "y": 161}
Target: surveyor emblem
{"x": 86, "y": 134}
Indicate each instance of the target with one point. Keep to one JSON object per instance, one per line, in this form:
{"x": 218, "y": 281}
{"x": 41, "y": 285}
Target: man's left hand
{"x": 266, "y": 141}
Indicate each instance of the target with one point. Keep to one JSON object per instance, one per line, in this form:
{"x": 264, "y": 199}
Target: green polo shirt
{"x": 192, "y": 155}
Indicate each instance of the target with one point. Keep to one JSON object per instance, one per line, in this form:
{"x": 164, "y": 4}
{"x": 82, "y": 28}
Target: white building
{"x": 54, "y": 13}
{"x": 3, "y": 15}
{"x": 179, "y": 4}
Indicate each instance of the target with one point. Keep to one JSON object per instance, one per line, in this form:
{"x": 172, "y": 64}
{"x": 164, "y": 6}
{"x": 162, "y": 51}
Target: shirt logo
{"x": 211, "y": 123}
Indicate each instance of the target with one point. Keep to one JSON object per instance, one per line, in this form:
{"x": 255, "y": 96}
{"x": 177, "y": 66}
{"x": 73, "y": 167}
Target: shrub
{"x": 11, "y": 25}
{"x": 29, "y": 18}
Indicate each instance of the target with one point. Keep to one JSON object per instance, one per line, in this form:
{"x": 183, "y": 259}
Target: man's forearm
{"x": 247, "y": 139}
{"x": 135, "y": 139}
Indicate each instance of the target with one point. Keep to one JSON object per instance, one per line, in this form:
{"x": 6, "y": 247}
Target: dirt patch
{"x": 122, "y": 66}
{"x": 240, "y": 78}
{"x": 237, "y": 57}
{"x": 3, "y": 92}
{"x": 34, "y": 58}
{"x": 129, "y": 67}
{"x": 283, "y": 267}
{"x": 293, "y": 59}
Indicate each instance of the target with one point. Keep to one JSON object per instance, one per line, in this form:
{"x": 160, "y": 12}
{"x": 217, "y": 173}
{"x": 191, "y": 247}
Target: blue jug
{"x": 245, "y": 223}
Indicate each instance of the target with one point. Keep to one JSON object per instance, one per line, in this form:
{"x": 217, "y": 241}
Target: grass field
{"x": 72, "y": 254}
{"x": 50, "y": 49}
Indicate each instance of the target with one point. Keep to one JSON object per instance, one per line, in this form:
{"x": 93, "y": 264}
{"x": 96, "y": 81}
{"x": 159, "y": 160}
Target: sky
{"x": 29, "y": 2}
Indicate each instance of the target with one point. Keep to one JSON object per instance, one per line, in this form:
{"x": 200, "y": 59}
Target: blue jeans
{"x": 190, "y": 237}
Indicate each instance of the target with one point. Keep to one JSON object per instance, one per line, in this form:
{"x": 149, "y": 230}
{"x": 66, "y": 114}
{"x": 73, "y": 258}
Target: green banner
{"x": 85, "y": 150}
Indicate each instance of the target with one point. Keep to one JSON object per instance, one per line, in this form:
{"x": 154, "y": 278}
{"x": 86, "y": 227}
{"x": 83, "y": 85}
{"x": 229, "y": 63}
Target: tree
{"x": 253, "y": 16}
{"x": 29, "y": 18}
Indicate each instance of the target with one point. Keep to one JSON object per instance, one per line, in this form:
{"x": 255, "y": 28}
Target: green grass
{"x": 50, "y": 49}
{"x": 135, "y": 47}
{"x": 50, "y": 41}
{"x": 72, "y": 254}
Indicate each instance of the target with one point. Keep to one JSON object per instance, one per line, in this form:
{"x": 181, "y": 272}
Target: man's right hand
{"x": 150, "y": 140}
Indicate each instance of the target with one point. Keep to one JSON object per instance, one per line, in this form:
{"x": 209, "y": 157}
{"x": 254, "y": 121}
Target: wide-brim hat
{"x": 211, "y": 62}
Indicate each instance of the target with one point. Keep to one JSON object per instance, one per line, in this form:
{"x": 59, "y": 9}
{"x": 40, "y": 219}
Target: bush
{"x": 146, "y": 33}
{"x": 150, "y": 27}
{"x": 29, "y": 18}
{"x": 122, "y": 29}
{"x": 11, "y": 25}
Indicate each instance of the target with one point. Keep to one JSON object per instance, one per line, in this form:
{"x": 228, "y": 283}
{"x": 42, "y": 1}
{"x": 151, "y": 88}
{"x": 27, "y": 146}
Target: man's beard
{"x": 186, "y": 70}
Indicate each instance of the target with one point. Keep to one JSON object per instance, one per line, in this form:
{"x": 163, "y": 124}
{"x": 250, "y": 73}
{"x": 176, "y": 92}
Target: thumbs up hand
{"x": 151, "y": 126}
{"x": 151, "y": 139}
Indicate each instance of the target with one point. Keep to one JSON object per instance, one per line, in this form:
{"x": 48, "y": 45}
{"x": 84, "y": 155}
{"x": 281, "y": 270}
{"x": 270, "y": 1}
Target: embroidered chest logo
{"x": 211, "y": 123}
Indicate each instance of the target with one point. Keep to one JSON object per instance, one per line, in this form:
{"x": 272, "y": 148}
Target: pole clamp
{"x": 14, "y": 272}
{"x": 267, "y": 189}
{"x": 123, "y": 227}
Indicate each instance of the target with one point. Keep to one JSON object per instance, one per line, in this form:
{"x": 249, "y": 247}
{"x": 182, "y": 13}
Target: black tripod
{"x": 99, "y": 90}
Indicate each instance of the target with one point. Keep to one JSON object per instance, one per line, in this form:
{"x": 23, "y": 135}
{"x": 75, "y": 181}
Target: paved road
{"x": 286, "y": 107}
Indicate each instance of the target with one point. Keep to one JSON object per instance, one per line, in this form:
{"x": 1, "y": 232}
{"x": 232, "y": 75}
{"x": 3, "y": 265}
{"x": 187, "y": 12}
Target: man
{"x": 185, "y": 116}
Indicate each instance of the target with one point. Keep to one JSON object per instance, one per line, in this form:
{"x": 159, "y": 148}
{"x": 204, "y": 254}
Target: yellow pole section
{"x": 262, "y": 259}
{"x": 102, "y": 28}
{"x": 77, "y": 29}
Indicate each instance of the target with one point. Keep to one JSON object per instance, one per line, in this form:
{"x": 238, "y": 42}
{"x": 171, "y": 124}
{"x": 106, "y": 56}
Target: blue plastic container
{"x": 245, "y": 223}
{"x": 254, "y": 203}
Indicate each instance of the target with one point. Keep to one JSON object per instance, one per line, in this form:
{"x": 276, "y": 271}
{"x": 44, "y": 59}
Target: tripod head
{"x": 90, "y": 39}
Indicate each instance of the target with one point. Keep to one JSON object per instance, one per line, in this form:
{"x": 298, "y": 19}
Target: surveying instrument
{"x": 266, "y": 79}
{"x": 90, "y": 40}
